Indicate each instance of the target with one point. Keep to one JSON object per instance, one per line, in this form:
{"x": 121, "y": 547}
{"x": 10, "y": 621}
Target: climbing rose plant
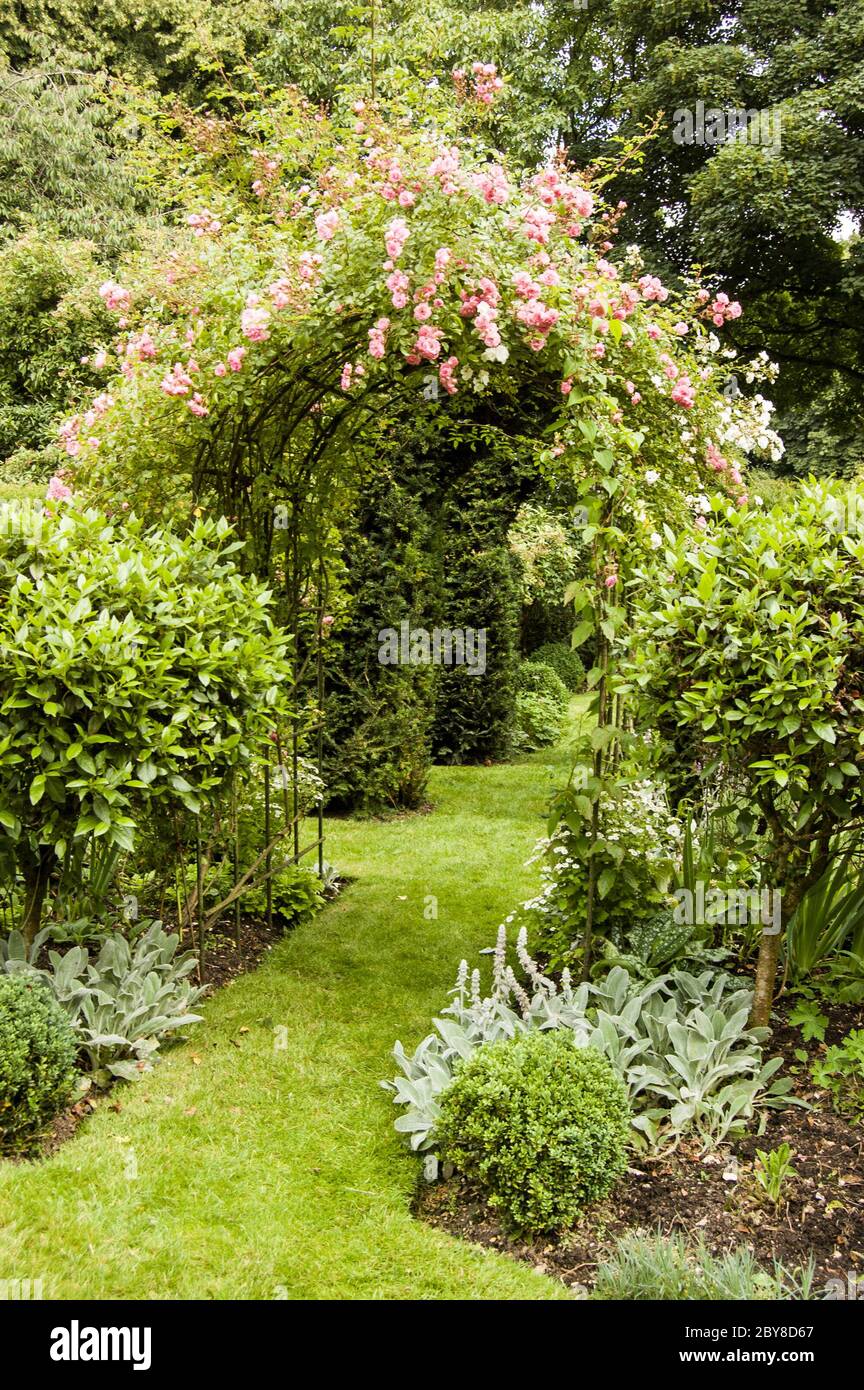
{"x": 370, "y": 261}
{"x": 361, "y": 258}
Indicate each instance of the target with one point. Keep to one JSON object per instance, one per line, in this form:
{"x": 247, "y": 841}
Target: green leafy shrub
{"x": 565, "y": 661}
{"x": 51, "y": 317}
{"x": 37, "y": 1057}
{"x": 136, "y": 666}
{"x": 841, "y": 1073}
{"x": 548, "y": 544}
{"x": 679, "y": 1042}
{"x": 378, "y": 717}
{"x": 541, "y": 705}
{"x": 296, "y": 894}
{"x": 663, "y": 1268}
{"x": 635, "y": 852}
{"x": 542, "y": 1124}
{"x": 124, "y": 1005}
{"x": 474, "y": 714}
{"x": 748, "y": 656}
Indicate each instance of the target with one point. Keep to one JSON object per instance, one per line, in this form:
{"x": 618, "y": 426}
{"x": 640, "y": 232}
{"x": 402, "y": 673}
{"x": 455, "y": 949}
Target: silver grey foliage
{"x": 124, "y": 1004}
{"x": 680, "y": 1042}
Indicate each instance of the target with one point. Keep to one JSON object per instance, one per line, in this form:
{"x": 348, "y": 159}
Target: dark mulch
{"x": 225, "y": 958}
{"x": 714, "y": 1195}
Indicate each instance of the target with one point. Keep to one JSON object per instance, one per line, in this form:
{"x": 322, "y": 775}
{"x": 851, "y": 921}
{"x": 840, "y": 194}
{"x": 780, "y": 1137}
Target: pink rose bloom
{"x": 492, "y": 183}
{"x": 100, "y": 358}
{"x": 680, "y": 329}
{"x": 220, "y": 369}
{"x": 377, "y": 340}
{"x": 280, "y": 292}
{"x": 428, "y": 343}
{"x": 447, "y": 375}
{"x": 197, "y": 405}
{"x": 235, "y": 358}
{"x": 58, "y": 491}
{"x": 326, "y": 224}
{"x": 177, "y": 382}
{"x": 652, "y": 289}
{"x": 253, "y": 324}
{"x": 525, "y": 286}
{"x": 396, "y": 234}
{"x": 683, "y": 392}
{"x": 114, "y": 295}
{"x": 422, "y": 312}
{"x": 484, "y": 322}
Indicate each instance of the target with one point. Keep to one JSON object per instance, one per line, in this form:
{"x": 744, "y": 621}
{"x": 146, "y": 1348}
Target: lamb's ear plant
{"x": 681, "y": 1044}
{"x": 18, "y": 954}
{"x": 124, "y": 1005}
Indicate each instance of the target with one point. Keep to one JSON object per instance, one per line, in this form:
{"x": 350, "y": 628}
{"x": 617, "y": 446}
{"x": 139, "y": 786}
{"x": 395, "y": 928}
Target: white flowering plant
{"x": 636, "y": 853}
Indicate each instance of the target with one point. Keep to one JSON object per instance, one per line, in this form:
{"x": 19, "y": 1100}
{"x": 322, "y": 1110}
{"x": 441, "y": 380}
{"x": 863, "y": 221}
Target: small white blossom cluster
{"x": 639, "y": 821}
{"x": 747, "y": 425}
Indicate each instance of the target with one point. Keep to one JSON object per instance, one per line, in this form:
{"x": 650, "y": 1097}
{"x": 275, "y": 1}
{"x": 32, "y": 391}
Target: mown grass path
{"x": 259, "y": 1160}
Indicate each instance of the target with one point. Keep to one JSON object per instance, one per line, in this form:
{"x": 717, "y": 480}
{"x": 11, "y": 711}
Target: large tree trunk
{"x": 36, "y": 870}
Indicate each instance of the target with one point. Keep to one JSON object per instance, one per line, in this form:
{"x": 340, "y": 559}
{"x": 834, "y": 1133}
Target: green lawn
{"x": 259, "y": 1160}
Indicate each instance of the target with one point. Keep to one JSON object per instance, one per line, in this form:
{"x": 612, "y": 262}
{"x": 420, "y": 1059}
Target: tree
{"x": 135, "y": 667}
{"x": 778, "y": 217}
{"x": 62, "y": 158}
{"x": 748, "y": 655}
{"x": 50, "y": 315}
